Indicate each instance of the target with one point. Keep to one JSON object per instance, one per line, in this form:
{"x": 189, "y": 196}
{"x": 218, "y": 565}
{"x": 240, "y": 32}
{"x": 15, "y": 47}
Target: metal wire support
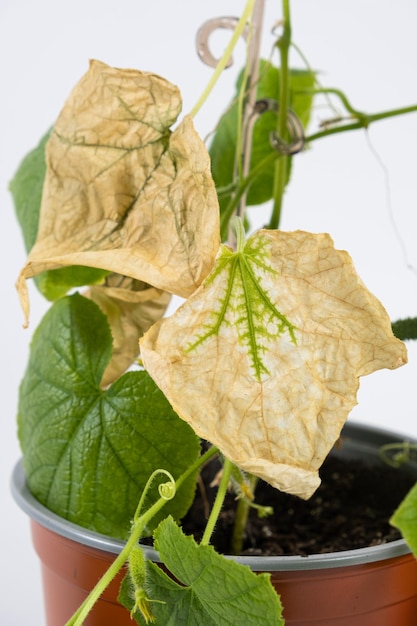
{"x": 252, "y": 84}
{"x": 252, "y": 34}
{"x": 294, "y": 126}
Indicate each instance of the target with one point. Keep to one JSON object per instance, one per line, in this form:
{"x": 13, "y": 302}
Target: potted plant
{"x": 257, "y": 368}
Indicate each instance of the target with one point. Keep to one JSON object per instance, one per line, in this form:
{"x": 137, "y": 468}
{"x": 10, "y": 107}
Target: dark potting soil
{"x": 350, "y": 509}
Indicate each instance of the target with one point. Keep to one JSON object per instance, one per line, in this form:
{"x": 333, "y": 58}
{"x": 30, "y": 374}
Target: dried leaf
{"x": 131, "y": 308}
{"x": 122, "y": 192}
{"x": 263, "y": 360}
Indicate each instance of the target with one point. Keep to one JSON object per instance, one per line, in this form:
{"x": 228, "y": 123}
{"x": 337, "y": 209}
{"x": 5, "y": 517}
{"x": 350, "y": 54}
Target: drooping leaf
{"x": 131, "y": 308}
{"x": 405, "y": 519}
{"x": 264, "y": 359}
{"x": 222, "y": 147}
{"x": 213, "y": 591}
{"x": 89, "y": 452}
{"x": 114, "y": 171}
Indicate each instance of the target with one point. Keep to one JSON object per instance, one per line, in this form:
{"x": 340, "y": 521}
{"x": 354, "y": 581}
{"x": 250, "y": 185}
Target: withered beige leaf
{"x": 122, "y": 191}
{"x": 263, "y": 360}
{"x": 131, "y": 307}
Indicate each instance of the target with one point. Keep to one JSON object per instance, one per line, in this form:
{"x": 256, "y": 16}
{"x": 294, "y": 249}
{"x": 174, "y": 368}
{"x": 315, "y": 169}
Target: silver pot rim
{"x": 42, "y": 515}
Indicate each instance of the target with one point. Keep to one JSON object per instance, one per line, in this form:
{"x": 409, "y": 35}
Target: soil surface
{"x": 350, "y": 509}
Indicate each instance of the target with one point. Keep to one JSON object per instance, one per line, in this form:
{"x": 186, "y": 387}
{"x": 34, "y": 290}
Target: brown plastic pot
{"x": 374, "y": 586}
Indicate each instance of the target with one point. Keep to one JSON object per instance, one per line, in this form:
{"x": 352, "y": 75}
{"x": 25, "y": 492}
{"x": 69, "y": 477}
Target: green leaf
{"x": 54, "y": 284}
{"x": 222, "y": 148}
{"x": 88, "y": 452}
{"x": 26, "y": 189}
{"x": 213, "y": 590}
{"x": 405, "y": 519}
{"x": 405, "y": 328}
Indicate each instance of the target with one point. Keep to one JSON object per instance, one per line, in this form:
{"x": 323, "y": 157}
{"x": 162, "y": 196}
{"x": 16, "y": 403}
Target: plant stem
{"x": 244, "y": 186}
{"x": 246, "y": 14}
{"x": 218, "y": 502}
{"x": 362, "y": 120}
{"x": 281, "y": 165}
{"x": 81, "y": 614}
{"x": 201, "y": 461}
{"x": 241, "y": 518}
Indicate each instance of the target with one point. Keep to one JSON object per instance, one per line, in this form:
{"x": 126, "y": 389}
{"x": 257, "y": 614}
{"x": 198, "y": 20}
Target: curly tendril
{"x": 166, "y": 490}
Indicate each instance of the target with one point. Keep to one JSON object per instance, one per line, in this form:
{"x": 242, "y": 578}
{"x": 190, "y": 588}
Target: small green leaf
{"x": 26, "y": 189}
{"x": 54, "y": 284}
{"x": 406, "y": 328}
{"x": 405, "y": 519}
{"x": 88, "y": 452}
{"x": 213, "y": 590}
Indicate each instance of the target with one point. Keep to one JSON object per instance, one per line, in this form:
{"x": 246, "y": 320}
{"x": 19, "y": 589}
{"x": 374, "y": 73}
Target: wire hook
{"x": 294, "y": 126}
{"x": 204, "y": 33}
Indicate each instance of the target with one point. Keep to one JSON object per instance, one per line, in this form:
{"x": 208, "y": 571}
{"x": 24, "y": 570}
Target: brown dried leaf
{"x": 122, "y": 192}
{"x": 263, "y": 360}
{"x": 131, "y": 308}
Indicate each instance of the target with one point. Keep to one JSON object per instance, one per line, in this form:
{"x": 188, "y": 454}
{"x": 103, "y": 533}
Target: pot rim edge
{"x": 46, "y": 518}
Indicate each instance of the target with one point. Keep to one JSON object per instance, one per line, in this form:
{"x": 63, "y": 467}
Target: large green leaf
{"x": 223, "y": 145}
{"x": 26, "y": 189}
{"x": 89, "y": 452}
{"x": 213, "y": 591}
{"x": 405, "y": 519}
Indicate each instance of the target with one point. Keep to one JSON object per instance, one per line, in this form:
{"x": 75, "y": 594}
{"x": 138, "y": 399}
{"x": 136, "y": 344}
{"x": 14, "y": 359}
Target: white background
{"x": 368, "y": 48}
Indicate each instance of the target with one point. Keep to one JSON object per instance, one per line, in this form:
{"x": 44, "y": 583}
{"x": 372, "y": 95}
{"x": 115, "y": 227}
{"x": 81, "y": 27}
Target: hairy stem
{"x": 358, "y": 119}
{"x": 241, "y": 519}
{"x": 140, "y": 523}
{"x": 282, "y": 164}
{"x": 218, "y": 502}
{"x": 81, "y": 614}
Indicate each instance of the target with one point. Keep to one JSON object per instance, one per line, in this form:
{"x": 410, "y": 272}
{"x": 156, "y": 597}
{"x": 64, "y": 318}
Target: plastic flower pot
{"x": 375, "y": 586}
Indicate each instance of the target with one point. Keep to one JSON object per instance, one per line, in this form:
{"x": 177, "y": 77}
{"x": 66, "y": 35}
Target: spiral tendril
{"x": 167, "y": 490}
